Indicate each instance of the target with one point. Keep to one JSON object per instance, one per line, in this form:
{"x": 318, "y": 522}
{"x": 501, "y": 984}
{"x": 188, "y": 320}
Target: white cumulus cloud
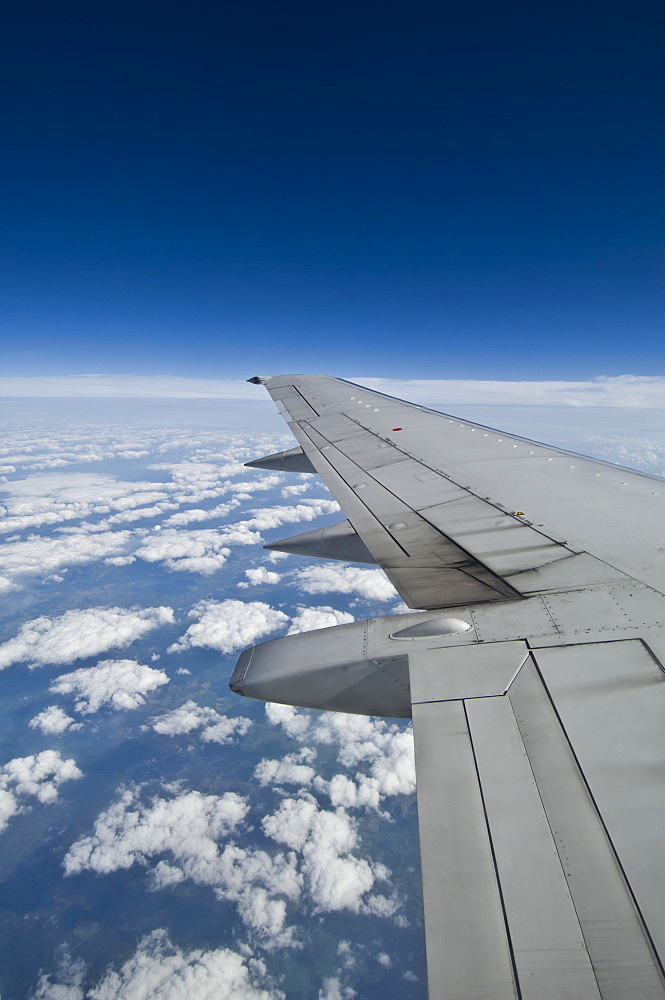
{"x": 122, "y": 684}
{"x": 130, "y": 831}
{"x": 80, "y": 633}
{"x": 189, "y": 826}
{"x": 39, "y": 775}
{"x": 380, "y": 753}
{"x": 334, "y": 990}
{"x": 321, "y": 616}
{"x": 334, "y": 877}
{"x": 161, "y": 969}
{"x": 202, "y": 551}
{"x": 53, "y": 720}
{"x": 372, "y": 584}
{"x": 229, "y": 625}
{"x": 295, "y": 490}
{"x": 198, "y": 514}
{"x": 258, "y": 575}
{"x": 214, "y": 728}
{"x": 292, "y": 769}
{"x": 307, "y": 510}
{"x": 56, "y": 497}
{"x": 36, "y": 556}
{"x": 294, "y": 723}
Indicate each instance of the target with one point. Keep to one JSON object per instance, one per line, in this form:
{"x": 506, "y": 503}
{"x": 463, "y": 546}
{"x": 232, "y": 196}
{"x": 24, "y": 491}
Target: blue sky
{"x": 424, "y": 190}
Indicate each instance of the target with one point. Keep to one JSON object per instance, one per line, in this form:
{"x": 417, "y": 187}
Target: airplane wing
{"x": 534, "y": 676}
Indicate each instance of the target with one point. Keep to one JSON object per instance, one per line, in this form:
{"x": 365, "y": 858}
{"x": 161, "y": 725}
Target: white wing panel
{"x": 468, "y": 951}
{"x": 611, "y": 700}
{"x": 569, "y": 865}
{"x": 558, "y": 493}
{"x": 550, "y": 954}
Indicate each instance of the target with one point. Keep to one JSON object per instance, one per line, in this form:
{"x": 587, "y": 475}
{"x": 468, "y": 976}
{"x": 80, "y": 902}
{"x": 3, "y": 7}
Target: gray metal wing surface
{"x": 534, "y": 677}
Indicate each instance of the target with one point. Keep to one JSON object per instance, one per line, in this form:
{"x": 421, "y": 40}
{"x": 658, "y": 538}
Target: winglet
{"x": 259, "y": 379}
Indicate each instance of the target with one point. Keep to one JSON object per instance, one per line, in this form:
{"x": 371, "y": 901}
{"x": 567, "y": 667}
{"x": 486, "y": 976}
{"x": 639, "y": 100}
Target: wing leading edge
{"x": 537, "y": 700}
{"x": 453, "y": 511}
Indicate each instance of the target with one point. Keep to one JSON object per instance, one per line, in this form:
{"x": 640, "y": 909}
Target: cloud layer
{"x": 622, "y": 390}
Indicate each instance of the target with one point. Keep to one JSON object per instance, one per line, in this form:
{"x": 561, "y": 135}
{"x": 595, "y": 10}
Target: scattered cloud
{"x": 160, "y": 968}
{"x": 334, "y": 877}
{"x": 53, "y": 720}
{"x": 194, "y": 830}
{"x": 121, "y": 684}
{"x": 275, "y": 557}
{"x": 37, "y": 556}
{"x": 120, "y": 560}
{"x": 56, "y": 497}
{"x": 187, "y": 516}
{"x": 187, "y": 824}
{"x": 334, "y": 990}
{"x": 637, "y": 451}
{"x": 321, "y": 616}
{"x": 296, "y": 489}
{"x": 214, "y": 728}
{"x": 260, "y": 575}
{"x": 264, "y": 518}
{"x": 371, "y": 584}
{"x": 381, "y": 751}
{"x": 202, "y": 551}
{"x": 38, "y": 776}
{"x": 77, "y": 634}
{"x": 294, "y": 722}
{"x": 293, "y": 769}
{"x": 229, "y": 625}
{"x": 189, "y": 827}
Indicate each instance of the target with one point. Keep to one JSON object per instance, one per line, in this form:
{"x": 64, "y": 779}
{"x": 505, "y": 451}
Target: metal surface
{"x": 433, "y": 628}
{"x": 468, "y": 955}
{"x": 611, "y": 700}
{"x": 327, "y": 669}
{"x": 465, "y": 672}
{"x": 292, "y": 460}
{"x": 613, "y": 931}
{"x": 540, "y": 750}
{"x": 550, "y": 955}
{"x": 335, "y": 541}
{"x": 556, "y": 489}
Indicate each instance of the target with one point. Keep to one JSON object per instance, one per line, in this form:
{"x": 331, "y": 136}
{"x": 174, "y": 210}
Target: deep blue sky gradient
{"x": 425, "y": 189}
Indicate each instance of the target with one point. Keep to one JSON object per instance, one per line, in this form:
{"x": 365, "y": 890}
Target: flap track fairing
{"x": 292, "y": 460}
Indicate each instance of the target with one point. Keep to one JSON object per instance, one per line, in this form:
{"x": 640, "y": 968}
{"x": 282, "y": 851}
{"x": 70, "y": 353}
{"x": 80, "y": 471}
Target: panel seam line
{"x": 509, "y": 940}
